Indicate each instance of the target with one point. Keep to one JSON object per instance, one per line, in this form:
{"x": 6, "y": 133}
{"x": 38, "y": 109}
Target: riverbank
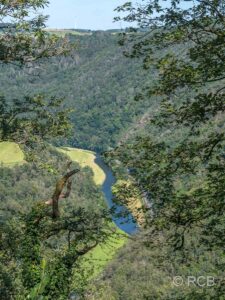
{"x": 122, "y": 216}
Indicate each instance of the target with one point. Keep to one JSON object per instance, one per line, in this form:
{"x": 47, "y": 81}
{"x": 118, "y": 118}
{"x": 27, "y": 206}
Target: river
{"x": 125, "y": 223}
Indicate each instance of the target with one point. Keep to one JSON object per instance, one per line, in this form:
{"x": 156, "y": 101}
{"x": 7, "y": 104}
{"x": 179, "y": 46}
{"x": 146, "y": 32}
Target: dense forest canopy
{"x": 177, "y": 160}
{"x": 97, "y": 82}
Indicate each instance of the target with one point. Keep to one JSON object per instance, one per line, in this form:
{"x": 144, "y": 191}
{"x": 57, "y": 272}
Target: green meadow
{"x": 64, "y": 32}
{"x": 86, "y": 159}
{"x": 10, "y": 154}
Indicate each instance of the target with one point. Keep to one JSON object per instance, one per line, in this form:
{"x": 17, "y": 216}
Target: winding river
{"x": 85, "y": 158}
{"x": 125, "y": 223}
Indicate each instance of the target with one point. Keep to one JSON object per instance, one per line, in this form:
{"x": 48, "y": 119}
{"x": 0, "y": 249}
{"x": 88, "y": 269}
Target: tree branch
{"x": 66, "y": 180}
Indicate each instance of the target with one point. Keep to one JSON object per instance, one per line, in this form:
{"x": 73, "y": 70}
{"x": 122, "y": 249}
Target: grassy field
{"x": 94, "y": 263}
{"x": 10, "y": 154}
{"x": 102, "y": 254}
{"x": 86, "y": 159}
{"x": 63, "y": 32}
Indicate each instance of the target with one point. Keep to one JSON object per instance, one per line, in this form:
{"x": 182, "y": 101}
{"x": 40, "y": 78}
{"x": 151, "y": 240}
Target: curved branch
{"x": 58, "y": 194}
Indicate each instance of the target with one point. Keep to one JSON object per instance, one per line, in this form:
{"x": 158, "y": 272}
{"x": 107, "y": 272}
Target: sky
{"x": 85, "y": 14}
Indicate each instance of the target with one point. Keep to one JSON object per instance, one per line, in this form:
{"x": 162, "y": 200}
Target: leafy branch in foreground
{"x": 33, "y": 118}
{"x": 24, "y": 39}
{"x": 184, "y": 45}
{"x": 178, "y": 159}
{"x": 59, "y": 243}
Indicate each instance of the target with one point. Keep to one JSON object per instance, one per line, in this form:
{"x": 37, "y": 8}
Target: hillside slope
{"x": 98, "y": 82}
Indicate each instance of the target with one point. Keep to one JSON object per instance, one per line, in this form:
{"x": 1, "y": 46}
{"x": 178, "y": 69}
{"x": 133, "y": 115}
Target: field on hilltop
{"x": 64, "y": 32}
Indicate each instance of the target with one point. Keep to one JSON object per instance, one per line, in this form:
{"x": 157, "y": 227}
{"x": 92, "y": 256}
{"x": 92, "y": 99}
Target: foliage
{"x": 38, "y": 247}
{"x": 33, "y": 119}
{"x": 37, "y": 238}
{"x": 22, "y": 189}
{"x": 178, "y": 159}
{"x": 24, "y": 40}
{"x": 174, "y": 156}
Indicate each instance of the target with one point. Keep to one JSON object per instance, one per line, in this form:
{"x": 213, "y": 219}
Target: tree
{"x": 32, "y": 119}
{"x": 39, "y": 249}
{"x": 24, "y": 39}
{"x": 181, "y": 169}
{"x": 30, "y": 240}
{"x": 22, "y": 42}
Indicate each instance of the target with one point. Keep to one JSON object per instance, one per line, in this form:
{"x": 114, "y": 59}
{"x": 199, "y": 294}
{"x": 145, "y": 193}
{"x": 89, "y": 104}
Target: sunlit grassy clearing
{"x": 63, "y": 32}
{"x": 86, "y": 158}
{"x": 94, "y": 262}
{"x": 10, "y": 154}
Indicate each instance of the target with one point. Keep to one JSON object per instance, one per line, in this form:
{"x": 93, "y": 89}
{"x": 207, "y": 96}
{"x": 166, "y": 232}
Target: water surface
{"x": 125, "y": 223}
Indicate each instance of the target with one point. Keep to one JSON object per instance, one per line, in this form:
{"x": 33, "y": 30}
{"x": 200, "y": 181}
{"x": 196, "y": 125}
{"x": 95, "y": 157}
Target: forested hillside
{"x": 98, "y": 83}
{"x": 177, "y": 159}
{"x": 155, "y": 107}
